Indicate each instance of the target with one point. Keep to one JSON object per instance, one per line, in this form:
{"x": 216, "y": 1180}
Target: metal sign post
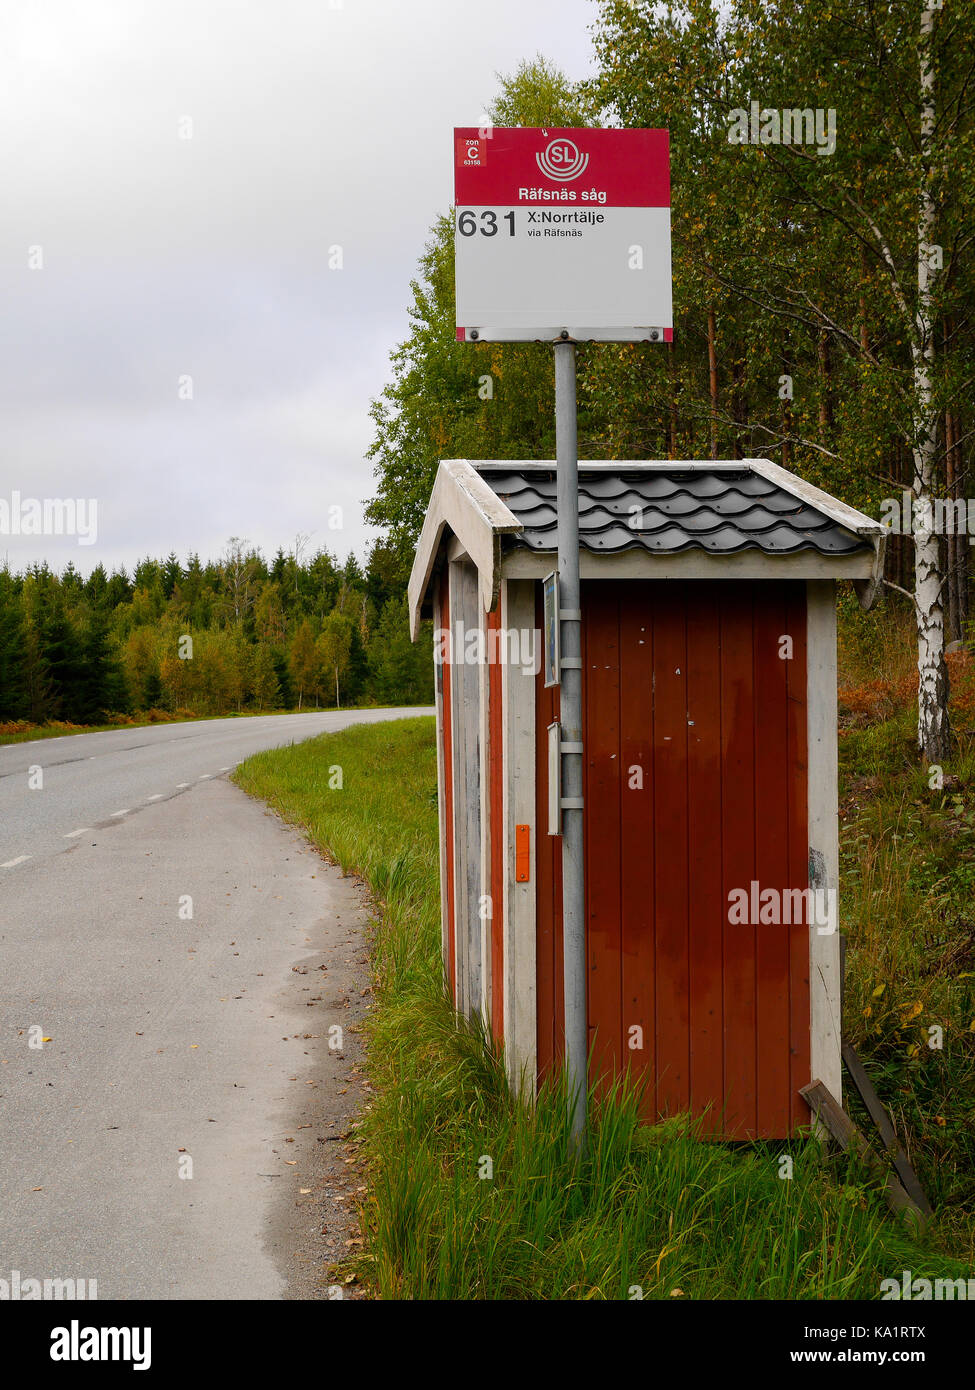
{"x": 570, "y": 707}
{"x": 564, "y": 236}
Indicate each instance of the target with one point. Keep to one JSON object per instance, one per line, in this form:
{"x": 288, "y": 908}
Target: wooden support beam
{"x": 844, "y": 1131}
{"x": 885, "y": 1129}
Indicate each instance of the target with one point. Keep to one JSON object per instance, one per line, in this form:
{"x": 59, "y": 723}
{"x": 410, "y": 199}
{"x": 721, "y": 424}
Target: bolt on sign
{"x": 562, "y": 233}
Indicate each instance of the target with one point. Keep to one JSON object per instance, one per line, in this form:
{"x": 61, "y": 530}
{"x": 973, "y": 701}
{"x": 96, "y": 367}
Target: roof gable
{"x": 665, "y": 510}
{"x": 653, "y": 508}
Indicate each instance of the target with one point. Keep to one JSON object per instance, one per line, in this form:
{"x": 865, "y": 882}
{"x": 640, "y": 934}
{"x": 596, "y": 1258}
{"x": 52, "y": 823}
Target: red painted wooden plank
{"x": 636, "y": 837}
{"x": 707, "y": 905}
{"x": 774, "y": 1103}
{"x": 496, "y": 792}
{"x": 448, "y": 789}
{"x": 798, "y": 848}
{"x": 726, "y": 1017}
{"x": 601, "y": 740}
{"x": 670, "y": 793}
{"x": 738, "y": 855}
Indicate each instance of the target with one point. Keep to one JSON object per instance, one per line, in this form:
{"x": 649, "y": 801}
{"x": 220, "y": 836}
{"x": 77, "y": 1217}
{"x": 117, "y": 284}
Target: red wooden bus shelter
{"x": 710, "y": 797}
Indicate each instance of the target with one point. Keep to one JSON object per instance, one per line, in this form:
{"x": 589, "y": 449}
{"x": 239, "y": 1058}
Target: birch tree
{"x": 853, "y": 252}
{"x": 933, "y": 728}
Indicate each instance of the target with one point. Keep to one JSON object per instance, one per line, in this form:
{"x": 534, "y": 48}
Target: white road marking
{"x": 157, "y": 797}
{"x": 182, "y": 784}
{"x": 73, "y": 834}
{"x": 225, "y": 769}
{"x": 121, "y": 813}
{"x": 204, "y": 777}
{"x": 11, "y": 863}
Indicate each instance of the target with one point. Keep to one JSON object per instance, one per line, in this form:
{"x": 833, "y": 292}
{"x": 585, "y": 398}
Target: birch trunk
{"x": 933, "y": 730}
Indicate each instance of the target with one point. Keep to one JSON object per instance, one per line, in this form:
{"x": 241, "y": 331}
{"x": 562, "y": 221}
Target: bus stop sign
{"x": 562, "y": 233}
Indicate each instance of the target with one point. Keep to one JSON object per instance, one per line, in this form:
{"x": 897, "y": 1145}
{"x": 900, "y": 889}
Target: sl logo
{"x": 561, "y": 160}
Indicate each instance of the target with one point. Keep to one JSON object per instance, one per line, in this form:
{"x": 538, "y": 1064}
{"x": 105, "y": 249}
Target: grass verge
{"x": 651, "y": 1208}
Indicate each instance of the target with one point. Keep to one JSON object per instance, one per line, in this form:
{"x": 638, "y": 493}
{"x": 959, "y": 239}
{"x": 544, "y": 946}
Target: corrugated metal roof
{"x": 669, "y": 509}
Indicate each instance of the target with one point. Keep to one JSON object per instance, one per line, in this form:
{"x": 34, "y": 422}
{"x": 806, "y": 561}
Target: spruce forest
{"x": 195, "y": 638}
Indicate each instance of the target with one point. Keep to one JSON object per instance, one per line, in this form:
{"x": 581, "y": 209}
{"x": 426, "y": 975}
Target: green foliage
{"x": 208, "y": 638}
{"x": 13, "y": 691}
{"x": 400, "y": 664}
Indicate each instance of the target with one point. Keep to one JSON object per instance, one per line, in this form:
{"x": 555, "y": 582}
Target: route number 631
{"x": 467, "y": 223}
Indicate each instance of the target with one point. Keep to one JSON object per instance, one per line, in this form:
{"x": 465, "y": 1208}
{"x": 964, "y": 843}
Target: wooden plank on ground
{"x": 824, "y": 1106}
{"x": 885, "y": 1129}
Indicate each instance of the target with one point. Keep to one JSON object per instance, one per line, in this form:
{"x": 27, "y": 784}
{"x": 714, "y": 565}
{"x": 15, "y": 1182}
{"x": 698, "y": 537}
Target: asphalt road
{"x": 164, "y": 1036}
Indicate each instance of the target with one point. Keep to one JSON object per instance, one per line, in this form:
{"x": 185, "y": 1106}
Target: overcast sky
{"x": 137, "y": 265}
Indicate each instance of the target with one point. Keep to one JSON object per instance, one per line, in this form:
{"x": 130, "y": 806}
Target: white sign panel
{"x": 562, "y": 233}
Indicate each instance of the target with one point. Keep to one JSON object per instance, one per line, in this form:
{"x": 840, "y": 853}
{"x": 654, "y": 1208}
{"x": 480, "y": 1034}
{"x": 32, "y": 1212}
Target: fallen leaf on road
{"x": 303, "y": 1191}
{"x": 291, "y": 1162}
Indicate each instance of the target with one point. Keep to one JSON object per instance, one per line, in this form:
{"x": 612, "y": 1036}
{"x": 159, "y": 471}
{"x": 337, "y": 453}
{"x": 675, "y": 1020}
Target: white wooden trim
{"x": 837, "y": 511}
{"x": 518, "y": 740}
{"x": 470, "y": 683}
{"x": 824, "y": 859}
{"x": 441, "y": 786}
{"x": 465, "y": 504}
{"x": 521, "y": 563}
{"x": 869, "y": 590}
{"x": 610, "y": 466}
{"x": 484, "y": 746}
{"x": 459, "y": 770}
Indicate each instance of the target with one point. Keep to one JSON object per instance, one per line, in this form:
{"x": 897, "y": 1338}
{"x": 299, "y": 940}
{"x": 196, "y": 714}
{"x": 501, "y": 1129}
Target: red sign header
{"x": 538, "y": 167}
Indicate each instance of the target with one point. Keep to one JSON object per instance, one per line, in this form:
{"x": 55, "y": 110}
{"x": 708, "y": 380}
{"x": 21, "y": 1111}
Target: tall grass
{"x": 907, "y": 875}
{"x": 477, "y": 1196}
